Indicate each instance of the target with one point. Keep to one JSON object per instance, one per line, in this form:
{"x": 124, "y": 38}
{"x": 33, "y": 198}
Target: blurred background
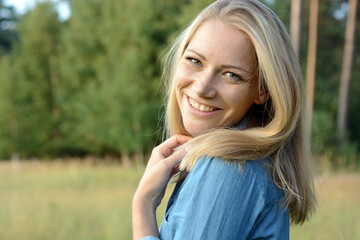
{"x": 81, "y": 108}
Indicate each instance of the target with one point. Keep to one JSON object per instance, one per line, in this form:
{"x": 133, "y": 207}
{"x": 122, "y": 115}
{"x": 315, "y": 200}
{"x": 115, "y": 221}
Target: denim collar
{"x": 243, "y": 123}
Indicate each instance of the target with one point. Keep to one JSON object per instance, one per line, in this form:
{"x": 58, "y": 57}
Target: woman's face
{"x": 214, "y": 84}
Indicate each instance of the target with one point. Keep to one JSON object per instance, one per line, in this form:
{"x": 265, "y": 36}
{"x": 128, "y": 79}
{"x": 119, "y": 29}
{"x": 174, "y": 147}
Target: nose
{"x": 205, "y": 85}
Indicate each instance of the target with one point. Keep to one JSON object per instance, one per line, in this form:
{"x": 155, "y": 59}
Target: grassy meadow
{"x": 81, "y": 200}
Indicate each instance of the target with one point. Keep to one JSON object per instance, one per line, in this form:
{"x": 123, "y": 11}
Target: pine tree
{"x": 8, "y": 35}
{"x": 34, "y": 81}
{"x": 110, "y": 78}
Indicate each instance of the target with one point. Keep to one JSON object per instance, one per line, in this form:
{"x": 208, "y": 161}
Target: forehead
{"x": 219, "y": 40}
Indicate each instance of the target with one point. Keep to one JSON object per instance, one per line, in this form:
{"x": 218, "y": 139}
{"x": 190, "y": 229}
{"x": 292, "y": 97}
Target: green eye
{"x": 194, "y": 61}
{"x": 233, "y": 76}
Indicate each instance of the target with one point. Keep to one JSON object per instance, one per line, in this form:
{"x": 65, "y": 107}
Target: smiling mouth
{"x": 201, "y": 107}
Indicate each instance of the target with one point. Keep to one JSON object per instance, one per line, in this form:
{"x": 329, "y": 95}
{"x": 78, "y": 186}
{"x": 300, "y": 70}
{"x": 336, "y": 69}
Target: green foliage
{"x": 331, "y": 39}
{"x": 90, "y": 85}
{"x": 330, "y": 47}
{"x": 28, "y": 100}
{"x": 8, "y": 124}
{"x": 354, "y": 103}
{"x": 7, "y": 33}
{"x": 109, "y": 75}
{"x": 35, "y": 79}
{"x": 282, "y": 10}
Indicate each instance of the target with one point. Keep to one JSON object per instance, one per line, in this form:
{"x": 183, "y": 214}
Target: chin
{"x": 195, "y": 131}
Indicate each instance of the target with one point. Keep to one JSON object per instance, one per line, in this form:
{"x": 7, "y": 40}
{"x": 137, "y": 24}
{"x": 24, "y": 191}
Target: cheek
{"x": 241, "y": 99}
{"x": 183, "y": 75}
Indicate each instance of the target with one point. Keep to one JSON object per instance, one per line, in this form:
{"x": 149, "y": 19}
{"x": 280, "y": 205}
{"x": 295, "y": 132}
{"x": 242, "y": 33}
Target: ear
{"x": 262, "y": 97}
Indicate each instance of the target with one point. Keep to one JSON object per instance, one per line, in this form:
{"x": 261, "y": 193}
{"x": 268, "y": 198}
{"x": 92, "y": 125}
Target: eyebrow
{"x": 225, "y": 66}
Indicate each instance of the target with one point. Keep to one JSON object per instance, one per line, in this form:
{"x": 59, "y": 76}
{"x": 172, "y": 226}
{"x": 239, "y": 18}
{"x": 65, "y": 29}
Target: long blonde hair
{"x": 276, "y": 128}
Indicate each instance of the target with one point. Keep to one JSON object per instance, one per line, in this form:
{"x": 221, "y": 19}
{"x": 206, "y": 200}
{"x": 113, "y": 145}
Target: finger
{"x": 176, "y": 157}
{"x": 175, "y": 141}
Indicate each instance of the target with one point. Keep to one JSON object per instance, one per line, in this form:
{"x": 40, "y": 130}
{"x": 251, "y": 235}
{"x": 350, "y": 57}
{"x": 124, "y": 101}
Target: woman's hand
{"x": 152, "y": 186}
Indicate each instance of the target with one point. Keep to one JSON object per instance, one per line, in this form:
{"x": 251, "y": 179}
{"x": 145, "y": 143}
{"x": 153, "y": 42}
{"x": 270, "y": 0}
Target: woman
{"x": 235, "y": 125}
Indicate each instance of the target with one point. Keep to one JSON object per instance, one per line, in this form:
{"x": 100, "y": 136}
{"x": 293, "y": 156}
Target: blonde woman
{"x": 235, "y": 126}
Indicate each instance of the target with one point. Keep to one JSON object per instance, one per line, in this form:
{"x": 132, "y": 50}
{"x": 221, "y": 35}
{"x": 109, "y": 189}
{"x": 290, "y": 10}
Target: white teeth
{"x": 200, "y": 107}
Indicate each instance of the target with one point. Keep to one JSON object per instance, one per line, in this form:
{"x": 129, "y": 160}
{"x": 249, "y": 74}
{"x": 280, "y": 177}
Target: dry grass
{"x": 66, "y": 201}
{"x": 80, "y": 200}
{"x": 338, "y": 212}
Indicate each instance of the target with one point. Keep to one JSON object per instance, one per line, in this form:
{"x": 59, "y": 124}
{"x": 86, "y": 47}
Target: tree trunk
{"x": 125, "y": 160}
{"x": 311, "y": 63}
{"x": 346, "y": 72}
{"x": 295, "y": 23}
{"x": 54, "y": 83}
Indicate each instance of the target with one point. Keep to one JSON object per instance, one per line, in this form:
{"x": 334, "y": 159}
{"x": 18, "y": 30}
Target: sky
{"x": 21, "y": 6}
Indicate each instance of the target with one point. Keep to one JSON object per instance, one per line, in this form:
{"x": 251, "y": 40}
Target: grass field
{"x": 76, "y": 201}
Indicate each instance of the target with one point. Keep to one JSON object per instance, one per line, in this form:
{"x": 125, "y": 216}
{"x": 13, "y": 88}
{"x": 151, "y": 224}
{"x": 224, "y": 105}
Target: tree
{"x": 109, "y": 78}
{"x": 34, "y": 81}
{"x": 8, "y": 127}
{"x": 346, "y": 72}
{"x": 311, "y": 62}
{"x": 7, "y": 24}
{"x": 8, "y": 121}
{"x": 353, "y": 129}
{"x": 295, "y": 23}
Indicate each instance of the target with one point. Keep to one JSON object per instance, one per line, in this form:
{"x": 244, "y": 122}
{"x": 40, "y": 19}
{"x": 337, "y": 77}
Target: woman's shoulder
{"x": 258, "y": 166}
{"x": 225, "y": 200}
{"x": 255, "y": 175}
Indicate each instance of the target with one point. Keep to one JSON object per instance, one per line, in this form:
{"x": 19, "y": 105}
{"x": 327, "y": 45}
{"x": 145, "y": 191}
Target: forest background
{"x": 81, "y": 99}
{"x": 90, "y": 85}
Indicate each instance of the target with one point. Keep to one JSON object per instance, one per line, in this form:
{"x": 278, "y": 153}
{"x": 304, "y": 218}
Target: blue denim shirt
{"x": 218, "y": 201}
